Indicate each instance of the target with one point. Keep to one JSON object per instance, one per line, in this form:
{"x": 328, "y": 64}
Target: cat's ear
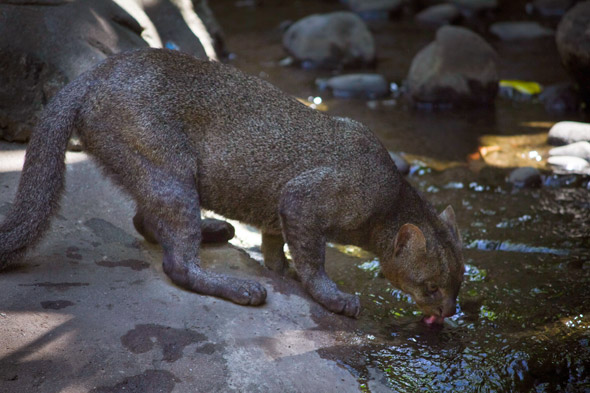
{"x": 448, "y": 217}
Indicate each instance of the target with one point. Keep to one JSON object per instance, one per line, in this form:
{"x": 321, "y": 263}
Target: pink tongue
{"x": 433, "y": 319}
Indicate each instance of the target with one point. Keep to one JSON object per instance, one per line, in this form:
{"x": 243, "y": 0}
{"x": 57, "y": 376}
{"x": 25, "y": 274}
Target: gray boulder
{"x": 512, "y": 31}
{"x": 334, "y": 40}
{"x": 567, "y": 132}
{"x": 46, "y": 43}
{"x": 371, "y": 86}
{"x": 474, "y": 7}
{"x": 577, "y": 149}
{"x": 439, "y": 15}
{"x": 458, "y": 68}
{"x": 573, "y": 44}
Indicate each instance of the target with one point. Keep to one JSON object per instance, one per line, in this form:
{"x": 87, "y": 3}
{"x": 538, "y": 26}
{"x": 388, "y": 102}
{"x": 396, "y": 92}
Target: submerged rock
{"x": 471, "y": 7}
{"x": 525, "y": 177}
{"x": 375, "y": 9}
{"x": 567, "y": 132}
{"x": 511, "y": 31}
{"x": 560, "y": 98}
{"x": 573, "y": 44}
{"x": 578, "y": 149}
{"x": 459, "y": 67}
{"x": 371, "y": 86}
{"x": 333, "y": 40}
{"x": 439, "y": 15}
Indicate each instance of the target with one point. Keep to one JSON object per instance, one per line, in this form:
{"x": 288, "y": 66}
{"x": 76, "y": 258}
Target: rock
{"x": 375, "y": 9}
{"x": 528, "y": 177}
{"x": 578, "y": 149}
{"x": 402, "y": 165}
{"x": 438, "y": 15}
{"x": 552, "y": 7}
{"x": 511, "y": 31}
{"x": 40, "y": 52}
{"x": 458, "y": 68}
{"x": 560, "y": 98}
{"x": 569, "y": 164}
{"x": 573, "y": 45}
{"x": 567, "y": 132}
{"x": 333, "y": 40}
{"x": 371, "y": 86}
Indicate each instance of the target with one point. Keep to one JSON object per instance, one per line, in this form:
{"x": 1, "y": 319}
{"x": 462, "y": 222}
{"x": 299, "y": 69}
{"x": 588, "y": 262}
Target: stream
{"x": 523, "y": 316}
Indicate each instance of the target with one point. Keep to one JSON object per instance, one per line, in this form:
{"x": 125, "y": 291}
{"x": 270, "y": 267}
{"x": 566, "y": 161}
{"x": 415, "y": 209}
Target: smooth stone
{"x": 333, "y": 40}
{"x": 438, "y": 15}
{"x": 525, "y": 177}
{"x": 371, "y": 86}
{"x": 512, "y": 31}
{"x": 402, "y": 165}
{"x": 569, "y": 163}
{"x": 560, "y": 98}
{"x": 458, "y": 68}
{"x": 578, "y": 149}
{"x": 567, "y": 132}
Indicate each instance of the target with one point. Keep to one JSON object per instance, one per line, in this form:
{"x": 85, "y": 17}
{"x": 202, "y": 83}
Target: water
{"x": 523, "y": 317}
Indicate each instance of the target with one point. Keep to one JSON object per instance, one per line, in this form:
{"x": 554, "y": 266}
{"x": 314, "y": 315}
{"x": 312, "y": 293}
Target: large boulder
{"x": 459, "y": 68}
{"x": 573, "y": 44}
{"x": 334, "y": 40}
{"x": 46, "y": 43}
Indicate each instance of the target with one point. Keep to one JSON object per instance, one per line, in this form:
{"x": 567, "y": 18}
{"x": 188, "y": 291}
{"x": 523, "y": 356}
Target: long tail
{"x": 42, "y": 180}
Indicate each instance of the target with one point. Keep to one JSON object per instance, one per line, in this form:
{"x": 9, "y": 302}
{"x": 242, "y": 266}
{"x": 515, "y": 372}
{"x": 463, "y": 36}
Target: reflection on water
{"x": 523, "y": 316}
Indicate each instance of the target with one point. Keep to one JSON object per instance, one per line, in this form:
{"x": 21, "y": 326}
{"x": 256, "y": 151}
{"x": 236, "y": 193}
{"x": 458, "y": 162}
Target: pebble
{"x": 552, "y": 7}
{"x": 525, "y": 177}
{"x": 511, "y": 31}
{"x": 400, "y": 162}
{"x": 569, "y": 163}
{"x": 371, "y": 86}
{"x": 577, "y": 149}
{"x": 438, "y": 15}
{"x": 567, "y": 132}
{"x": 560, "y": 98}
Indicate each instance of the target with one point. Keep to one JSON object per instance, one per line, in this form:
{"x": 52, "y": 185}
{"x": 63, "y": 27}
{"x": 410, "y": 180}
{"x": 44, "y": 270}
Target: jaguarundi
{"x": 178, "y": 134}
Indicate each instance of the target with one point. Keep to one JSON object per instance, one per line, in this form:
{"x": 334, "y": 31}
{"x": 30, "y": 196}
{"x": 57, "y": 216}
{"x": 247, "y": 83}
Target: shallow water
{"x": 523, "y": 318}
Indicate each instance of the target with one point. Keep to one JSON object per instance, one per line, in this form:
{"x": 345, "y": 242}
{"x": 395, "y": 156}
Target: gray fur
{"x": 180, "y": 134}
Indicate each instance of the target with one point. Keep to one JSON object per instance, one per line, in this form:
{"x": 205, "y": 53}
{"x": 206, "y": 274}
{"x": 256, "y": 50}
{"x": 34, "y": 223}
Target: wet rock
{"x": 375, "y": 9}
{"x": 552, "y": 7}
{"x": 560, "y": 98}
{"x": 458, "y": 68}
{"x": 528, "y": 177}
{"x": 371, "y": 86}
{"x": 574, "y": 46}
{"x": 334, "y": 40}
{"x": 438, "y": 15}
{"x": 400, "y": 162}
{"x": 40, "y": 53}
{"x": 569, "y": 163}
{"x": 578, "y": 149}
{"x": 567, "y": 132}
{"x": 512, "y": 31}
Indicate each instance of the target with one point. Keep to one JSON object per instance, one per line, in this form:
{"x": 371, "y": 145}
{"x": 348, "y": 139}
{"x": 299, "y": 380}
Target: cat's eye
{"x": 431, "y": 287}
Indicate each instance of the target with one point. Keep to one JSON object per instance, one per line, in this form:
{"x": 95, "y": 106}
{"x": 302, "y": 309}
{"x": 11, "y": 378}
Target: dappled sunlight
{"x": 13, "y": 160}
{"x": 508, "y": 151}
